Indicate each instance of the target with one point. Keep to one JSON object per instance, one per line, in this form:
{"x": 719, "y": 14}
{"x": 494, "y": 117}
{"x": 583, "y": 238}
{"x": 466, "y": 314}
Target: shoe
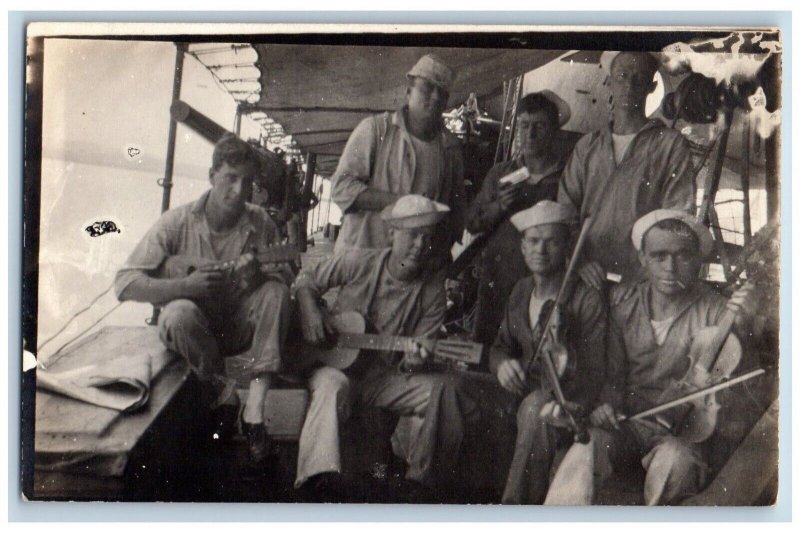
{"x": 258, "y": 442}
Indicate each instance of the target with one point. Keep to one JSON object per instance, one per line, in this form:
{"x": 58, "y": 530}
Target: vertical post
{"x": 308, "y": 190}
{"x": 169, "y": 167}
{"x": 237, "y": 121}
{"x": 772, "y": 166}
{"x": 745, "y": 175}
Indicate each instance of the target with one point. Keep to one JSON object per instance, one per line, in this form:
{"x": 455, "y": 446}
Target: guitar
{"x": 351, "y": 339}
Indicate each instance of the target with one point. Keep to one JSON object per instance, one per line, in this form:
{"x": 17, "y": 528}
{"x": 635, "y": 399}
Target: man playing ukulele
{"x": 204, "y": 317}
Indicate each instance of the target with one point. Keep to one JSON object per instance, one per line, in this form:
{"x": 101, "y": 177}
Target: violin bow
{"x": 694, "y": 395}
{"x": 549, "y": 367}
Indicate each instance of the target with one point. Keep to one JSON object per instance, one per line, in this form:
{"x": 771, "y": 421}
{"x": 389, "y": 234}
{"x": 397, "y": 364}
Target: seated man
{"x": 204, "y": 317}
{"x": 650, "y": 332}
{"x": 397, "y": 294}
{"x": 545, "y": 246}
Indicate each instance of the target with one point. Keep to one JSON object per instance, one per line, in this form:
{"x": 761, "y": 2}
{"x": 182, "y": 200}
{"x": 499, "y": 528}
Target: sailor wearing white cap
{"x": 406, "y": 152}
{"x": 546, "y": 230}
{"x": 650, "y": 331}
{"x": 398, "y": 296}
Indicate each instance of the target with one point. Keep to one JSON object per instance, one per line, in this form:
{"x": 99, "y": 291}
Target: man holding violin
{"x": 575, "y": 347}
{"x": 650, "y": 349}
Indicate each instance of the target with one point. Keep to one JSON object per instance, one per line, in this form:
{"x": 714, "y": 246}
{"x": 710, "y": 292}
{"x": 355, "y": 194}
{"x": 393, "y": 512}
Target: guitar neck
{"x": 368, "y": 341}
{"x": 461, "y": 351}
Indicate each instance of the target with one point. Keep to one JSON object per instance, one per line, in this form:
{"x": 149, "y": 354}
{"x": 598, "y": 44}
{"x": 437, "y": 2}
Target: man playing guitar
{"x": 204, "y": 316}
{"x": 397, "y": 294}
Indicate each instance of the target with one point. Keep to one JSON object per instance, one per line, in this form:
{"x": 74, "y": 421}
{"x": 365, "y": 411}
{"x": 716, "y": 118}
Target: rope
{"x": 52, "y": 359}
{"x": 73, "y": 317}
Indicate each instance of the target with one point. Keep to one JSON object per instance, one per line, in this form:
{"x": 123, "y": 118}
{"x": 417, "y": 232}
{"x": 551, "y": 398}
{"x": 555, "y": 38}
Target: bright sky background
{"x": 102, "y": 97}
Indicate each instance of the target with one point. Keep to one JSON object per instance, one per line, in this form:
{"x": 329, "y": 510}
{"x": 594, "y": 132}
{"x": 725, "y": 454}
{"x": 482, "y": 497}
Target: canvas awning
{"x": 320, "y": 93}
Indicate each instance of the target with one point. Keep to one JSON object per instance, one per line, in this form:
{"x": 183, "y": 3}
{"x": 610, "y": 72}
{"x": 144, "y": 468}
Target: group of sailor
{"x": 400, "y": 186}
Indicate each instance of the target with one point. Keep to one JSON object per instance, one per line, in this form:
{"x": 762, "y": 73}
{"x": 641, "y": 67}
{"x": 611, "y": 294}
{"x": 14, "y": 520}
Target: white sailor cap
{"x": 414, "y": 211}
{"x": 563, "y": 108}
{"x": 653, "y": 217}
{"x": 432, "y": 68}
{"x": 544, "y": 212}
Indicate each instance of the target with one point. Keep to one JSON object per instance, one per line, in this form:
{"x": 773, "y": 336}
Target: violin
{"x": 554, "y": 351}
{"x": 713, "y": 356}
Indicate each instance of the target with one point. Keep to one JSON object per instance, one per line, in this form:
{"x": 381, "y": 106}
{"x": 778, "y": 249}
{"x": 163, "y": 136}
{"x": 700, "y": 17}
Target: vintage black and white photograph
{"x": 413, "y": 265}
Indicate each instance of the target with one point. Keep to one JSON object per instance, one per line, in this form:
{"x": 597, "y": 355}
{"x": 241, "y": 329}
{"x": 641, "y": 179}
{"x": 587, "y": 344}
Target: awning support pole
{"x": 308, "y": 191}
{"x": 166, "y": 182}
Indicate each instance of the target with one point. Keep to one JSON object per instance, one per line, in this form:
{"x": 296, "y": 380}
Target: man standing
{"x": 203, "y": 317}
{"x": 546, "y": 238}
{"x": 539, "y": 116}
{"x": 651, "y": 330}
{"x": 628, "y": 168}
{"x": 396, "y": 293}
{"x": 407, "y": 152}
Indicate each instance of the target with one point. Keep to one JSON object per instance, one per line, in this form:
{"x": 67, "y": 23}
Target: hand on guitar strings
{"x": 512, "y": 377}
{"x": 416, "y": 358}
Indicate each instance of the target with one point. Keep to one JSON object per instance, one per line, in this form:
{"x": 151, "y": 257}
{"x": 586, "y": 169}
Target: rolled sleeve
{"x": 157, "y": 244}
{"x": 355, "y": 165}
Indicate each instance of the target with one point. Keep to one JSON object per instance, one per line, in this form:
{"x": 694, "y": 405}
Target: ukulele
{"x": 180, "y": 266}
{"x": 351, "y": 339}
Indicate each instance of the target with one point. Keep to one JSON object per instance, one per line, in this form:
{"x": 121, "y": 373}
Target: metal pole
{"x": 308, "y": 190}
{"x": 745, "y": 175}
{"x": 166, "y": 183}
{"x": 237, "y": 122}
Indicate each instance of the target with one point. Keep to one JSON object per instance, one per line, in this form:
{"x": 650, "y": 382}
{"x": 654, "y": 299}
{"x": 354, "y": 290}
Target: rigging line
{"x": 235, "y": 48}
{"x": 74, "y": 316}
{"x": 52, "y": 359}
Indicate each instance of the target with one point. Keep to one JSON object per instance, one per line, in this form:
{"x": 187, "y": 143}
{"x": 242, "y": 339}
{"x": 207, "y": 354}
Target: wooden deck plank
{"x": 752, "y": 469}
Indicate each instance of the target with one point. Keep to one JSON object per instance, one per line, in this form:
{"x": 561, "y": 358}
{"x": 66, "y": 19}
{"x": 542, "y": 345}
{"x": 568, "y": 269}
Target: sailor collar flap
{"x": 643, "y": 291}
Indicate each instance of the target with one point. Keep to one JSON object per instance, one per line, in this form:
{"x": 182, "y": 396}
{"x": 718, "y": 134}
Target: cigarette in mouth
{"x": 612, "y": 277}
{"x": 680, "y": 284}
